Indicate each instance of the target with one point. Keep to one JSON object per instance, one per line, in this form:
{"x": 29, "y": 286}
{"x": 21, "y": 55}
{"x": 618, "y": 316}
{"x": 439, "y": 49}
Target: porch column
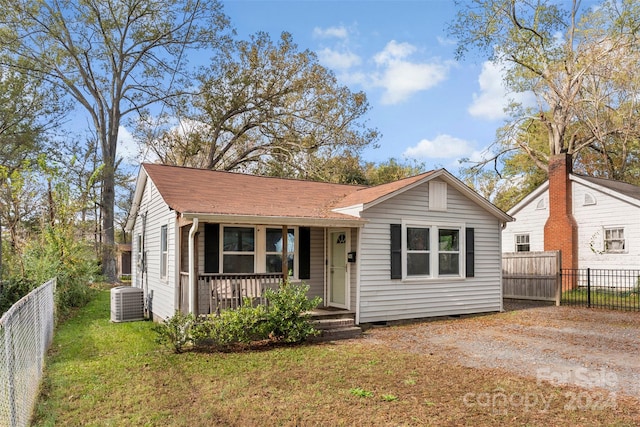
{"x": 285, "y": 263}
{"x": 193, "y": 274}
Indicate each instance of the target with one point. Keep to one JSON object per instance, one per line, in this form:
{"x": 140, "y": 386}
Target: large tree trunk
{"x": 108, "y": 242}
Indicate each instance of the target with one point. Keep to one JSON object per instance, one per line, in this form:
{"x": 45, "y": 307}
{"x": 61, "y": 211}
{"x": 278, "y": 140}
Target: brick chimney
{"x": 561, "y": 230}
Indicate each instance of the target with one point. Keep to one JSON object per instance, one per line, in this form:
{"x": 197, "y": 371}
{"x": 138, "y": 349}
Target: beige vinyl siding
{"x": 383, "y": 299}
{"x": 353, "y": 271}
{"x": 316, "y": 282}
{"x": 607, "y": 212}
{"x": 162, "y": 290}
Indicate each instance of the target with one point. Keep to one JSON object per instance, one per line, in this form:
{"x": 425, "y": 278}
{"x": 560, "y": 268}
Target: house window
{"x": 522, "y": 243}
{"x": 448, "y": 251}
{"x": 418, "y": 253}
{"x": 164, "y": 252}
{"x": 431, "y": 251}
{"x": 614, "y": 240}
{"x": 139, "y": 252}
{"x": 238, "y": 250}
{"x": 273, "y": 250}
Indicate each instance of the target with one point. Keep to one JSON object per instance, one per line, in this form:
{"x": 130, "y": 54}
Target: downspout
{"x": 193, "y": 276}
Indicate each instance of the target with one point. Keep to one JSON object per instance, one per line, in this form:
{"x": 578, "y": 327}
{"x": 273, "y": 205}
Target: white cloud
{"x": 443, "y": 41}
{"x": 127, "y": 146}
{"x": 338, "y": 60}
{"x": 442, "y": 147}
{"x": 331, "y": 32}
{"x": 401, "y": 78}
{"x": 490, "y": 103}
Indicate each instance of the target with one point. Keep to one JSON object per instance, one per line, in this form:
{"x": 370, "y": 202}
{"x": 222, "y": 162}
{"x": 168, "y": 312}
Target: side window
{"x": 522, "y": 243}
{"x": 164, "y": 252}
{"x": 614, "y": 240}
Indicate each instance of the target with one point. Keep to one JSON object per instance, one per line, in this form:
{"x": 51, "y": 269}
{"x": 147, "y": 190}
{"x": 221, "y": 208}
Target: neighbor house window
{"x": 448, "y": 251}
{"x": 238, "y": 250}
{"x": 164, "y": 252}
{"x": 418, "y": 253}
{"x": 614, "y": 240}
{"x": 522, "y": 243}
{"x": 273, "y": 250}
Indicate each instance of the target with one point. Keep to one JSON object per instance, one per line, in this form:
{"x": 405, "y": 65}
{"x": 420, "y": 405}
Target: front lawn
{"x": 101, "y": 373}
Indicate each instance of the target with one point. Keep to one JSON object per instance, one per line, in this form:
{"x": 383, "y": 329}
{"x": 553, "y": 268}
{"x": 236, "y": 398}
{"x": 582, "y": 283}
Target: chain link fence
{"x": 26, "y": 331}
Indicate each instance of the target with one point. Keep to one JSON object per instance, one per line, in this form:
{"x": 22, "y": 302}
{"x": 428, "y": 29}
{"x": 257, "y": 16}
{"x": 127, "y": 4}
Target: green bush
{"x": 283, "y": 320}
{"x": 175, "y": 331}
{"x": 14, "y": 289}
{"x": 287, "y": 313}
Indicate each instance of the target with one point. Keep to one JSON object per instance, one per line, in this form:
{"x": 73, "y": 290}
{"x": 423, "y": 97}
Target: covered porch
{"x": 221, "y": 263}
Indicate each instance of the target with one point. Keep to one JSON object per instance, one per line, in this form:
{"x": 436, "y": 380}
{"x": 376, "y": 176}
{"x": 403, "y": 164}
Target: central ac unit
{"x": 127, "y": 304}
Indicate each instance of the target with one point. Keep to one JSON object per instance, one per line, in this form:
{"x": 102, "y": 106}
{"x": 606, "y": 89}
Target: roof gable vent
{"x": 589, "y": 199}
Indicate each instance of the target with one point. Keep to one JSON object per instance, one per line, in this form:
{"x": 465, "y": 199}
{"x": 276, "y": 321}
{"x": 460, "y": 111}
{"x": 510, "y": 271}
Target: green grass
{"x": 603, "y": 298}
{"x": 113, "y": 374}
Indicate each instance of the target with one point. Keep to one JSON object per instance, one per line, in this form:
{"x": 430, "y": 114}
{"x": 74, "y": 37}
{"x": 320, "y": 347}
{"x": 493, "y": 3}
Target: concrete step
{"x": 337, "y": 323}
{"x": 338, "y": 334}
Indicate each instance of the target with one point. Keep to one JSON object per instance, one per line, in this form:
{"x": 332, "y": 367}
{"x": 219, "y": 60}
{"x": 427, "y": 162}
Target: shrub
{"x": 12, "y": 290}
{"x": 283, "y": 319}
{"x": 243, "y": 325}
{"x": 287, "y": 313}
{"x": 175, "y": 331}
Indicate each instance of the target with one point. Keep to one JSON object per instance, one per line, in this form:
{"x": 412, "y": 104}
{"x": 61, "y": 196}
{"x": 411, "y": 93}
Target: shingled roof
{"x": 207, "y": 192}
{"x": 201, "y": 193}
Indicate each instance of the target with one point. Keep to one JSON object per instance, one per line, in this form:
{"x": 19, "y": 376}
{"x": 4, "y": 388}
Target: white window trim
{"x": 259, "y": 248}
{"x": 263, "y": 232}
{"x": 515, "y": 240}
{"x": 164, "y": 252}
{"x": 604, "y": 240}
{"x": 434, "y": 250}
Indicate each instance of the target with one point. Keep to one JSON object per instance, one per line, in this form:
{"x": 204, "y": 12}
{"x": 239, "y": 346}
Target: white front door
{"x": 338, "y": 278}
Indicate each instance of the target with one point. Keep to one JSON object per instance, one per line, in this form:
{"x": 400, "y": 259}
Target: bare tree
{"x": 578, "y": 62}
{"x": 267, "y": 108}
{"x": 114, "y": 58}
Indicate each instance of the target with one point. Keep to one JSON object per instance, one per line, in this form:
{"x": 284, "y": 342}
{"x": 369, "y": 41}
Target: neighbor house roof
{"x": 201, "y": 193}
{"x": 625, "y": 188}
{"x": 619, "y": 189}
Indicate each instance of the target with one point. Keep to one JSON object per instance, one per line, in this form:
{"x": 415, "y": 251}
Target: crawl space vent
{"x": 127, "y": 304}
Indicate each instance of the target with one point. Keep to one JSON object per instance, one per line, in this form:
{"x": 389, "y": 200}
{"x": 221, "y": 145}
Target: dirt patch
{"x": 563, "y": 345}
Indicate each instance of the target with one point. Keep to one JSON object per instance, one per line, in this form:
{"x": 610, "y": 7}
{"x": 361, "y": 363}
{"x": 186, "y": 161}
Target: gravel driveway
{"x": 584, "y": 347}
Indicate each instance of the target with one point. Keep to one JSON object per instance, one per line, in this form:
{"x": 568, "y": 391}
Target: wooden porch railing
{"x": 229, "y": 290}
{"x": 218, "y": 292}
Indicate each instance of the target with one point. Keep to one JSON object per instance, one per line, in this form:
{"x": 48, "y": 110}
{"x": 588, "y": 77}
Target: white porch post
{"x": 193, "y": 274}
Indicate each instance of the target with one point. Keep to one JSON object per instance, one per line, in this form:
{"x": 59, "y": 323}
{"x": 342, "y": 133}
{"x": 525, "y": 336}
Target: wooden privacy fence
{"x": 531, "y": 276}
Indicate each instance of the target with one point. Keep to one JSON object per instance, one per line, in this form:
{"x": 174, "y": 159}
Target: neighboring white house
{"x": 607, "y": 215}
{"x": 419, "y": 247}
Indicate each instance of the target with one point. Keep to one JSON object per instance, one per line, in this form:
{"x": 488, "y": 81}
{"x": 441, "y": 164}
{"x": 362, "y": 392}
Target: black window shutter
{"x": 212, "y": 248}
{"x": 304, "y": 253}
{"x": 470, "y": 252}
{"x": 396, "y": 251}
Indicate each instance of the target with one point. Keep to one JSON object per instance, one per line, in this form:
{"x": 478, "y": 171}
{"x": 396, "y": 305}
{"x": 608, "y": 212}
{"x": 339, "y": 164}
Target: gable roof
{"x": 201, "y": 192}
{"x": 622, "y": 190}
{"x": 209, "y": 192}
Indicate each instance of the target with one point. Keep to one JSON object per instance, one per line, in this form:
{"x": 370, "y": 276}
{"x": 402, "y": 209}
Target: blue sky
{"x": 427, "y": 105}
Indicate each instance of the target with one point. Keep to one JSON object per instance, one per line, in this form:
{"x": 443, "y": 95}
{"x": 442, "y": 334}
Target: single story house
{"x": 418, "y": 247}
{"x": 601, "y": 220}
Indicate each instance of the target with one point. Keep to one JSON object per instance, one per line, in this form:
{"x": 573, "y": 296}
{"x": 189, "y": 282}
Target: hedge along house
{"x": 418, "y": 247}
